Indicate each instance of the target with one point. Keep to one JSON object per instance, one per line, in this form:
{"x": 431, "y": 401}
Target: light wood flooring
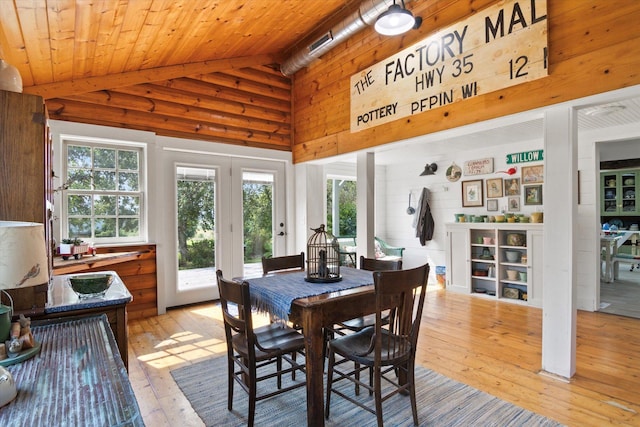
{"x": 622, "y": 296}
{"x": 493, "y": 346}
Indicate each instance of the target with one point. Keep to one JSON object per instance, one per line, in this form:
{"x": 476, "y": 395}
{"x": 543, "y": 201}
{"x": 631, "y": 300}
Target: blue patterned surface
{"x": 274, "y": 293}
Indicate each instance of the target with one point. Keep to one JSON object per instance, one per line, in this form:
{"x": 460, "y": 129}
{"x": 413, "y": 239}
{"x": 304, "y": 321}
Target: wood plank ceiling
{"x": 198, "y": 69}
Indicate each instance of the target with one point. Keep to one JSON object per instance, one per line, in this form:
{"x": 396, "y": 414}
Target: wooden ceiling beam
{"x": 117, "y": 100}
{"x": 203, "y": 100}
{"x": 65, "y": 109}
{"x": 92, "y": 84}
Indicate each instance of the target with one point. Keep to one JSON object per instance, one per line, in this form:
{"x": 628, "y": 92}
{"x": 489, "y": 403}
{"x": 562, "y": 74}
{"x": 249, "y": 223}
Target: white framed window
{"x": 104, "y": 191}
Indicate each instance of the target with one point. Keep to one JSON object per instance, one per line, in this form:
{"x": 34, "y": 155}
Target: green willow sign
{"x": 524, "y": 157}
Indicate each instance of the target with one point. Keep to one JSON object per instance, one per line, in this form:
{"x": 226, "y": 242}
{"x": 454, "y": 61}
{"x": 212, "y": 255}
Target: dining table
{"x": 314, "y": 306}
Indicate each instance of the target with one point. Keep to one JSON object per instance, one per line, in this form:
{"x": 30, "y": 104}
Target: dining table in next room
{"x": 313, "y": 306}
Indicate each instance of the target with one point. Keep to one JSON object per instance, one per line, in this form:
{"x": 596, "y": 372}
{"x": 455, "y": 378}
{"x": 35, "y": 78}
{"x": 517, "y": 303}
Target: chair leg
{"x": 378, "y": 394}
{"x": 279, "y": 368}
{"x": 252, "y": 398}
{"x": 293, "y": 372}
{"x": 412, "y": 393}
{"x": 332, "y": 359}
{"x": 230, "y": 367}
{"x": 356, "y": 366}
{"x": 327, "y": 336}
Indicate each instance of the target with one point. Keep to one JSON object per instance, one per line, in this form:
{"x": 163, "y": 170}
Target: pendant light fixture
{"x": 396, "y": 20}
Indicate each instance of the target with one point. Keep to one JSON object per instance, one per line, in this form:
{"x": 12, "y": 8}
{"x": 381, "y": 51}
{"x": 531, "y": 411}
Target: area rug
{"x": 441, "y": 402}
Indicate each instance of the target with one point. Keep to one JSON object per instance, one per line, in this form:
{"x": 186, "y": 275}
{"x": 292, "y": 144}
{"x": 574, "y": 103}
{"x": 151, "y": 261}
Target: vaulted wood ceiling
{"x": 201, "y": 69}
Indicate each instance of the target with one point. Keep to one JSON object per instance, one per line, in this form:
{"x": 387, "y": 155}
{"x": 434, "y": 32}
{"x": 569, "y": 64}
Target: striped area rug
{"x": 441, "y": 402}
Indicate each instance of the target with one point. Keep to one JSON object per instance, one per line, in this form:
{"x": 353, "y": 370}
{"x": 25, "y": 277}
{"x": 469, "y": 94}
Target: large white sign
{"x": 501, "y": 46}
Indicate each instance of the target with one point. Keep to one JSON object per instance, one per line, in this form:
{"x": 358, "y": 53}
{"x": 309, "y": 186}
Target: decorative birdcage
{"x": 323, "y": 259}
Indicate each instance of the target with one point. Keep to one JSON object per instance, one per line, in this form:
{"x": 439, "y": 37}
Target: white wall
{"x": 446, "y": 196}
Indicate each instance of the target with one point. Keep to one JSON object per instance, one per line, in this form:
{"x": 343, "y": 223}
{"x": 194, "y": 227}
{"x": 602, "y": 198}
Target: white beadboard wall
{"x": 445, "y": 196}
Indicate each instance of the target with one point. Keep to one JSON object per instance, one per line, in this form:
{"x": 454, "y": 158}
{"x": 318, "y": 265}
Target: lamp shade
{"x": 396, "y": 20}
{"x": 23, "y": 255}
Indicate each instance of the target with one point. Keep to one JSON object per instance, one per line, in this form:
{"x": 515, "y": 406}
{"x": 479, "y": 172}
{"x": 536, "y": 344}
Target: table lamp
{"x": 23, "y": 255}
{"x": 23, "y": 263}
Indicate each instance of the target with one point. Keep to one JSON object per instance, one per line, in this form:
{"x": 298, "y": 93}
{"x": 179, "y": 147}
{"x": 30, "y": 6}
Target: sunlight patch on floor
{"x": 186, "y": 336}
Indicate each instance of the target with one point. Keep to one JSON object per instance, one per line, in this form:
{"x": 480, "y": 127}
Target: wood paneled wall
{"x": 247, "y": 106}
{"x": 594, "y": 47}
{"x": 139, "y": 276}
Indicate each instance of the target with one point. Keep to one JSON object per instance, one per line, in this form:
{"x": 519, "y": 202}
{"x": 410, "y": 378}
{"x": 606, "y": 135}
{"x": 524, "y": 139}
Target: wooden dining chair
{"x": 280, "y": 263}
{"x": 389, "y": 348}
{"x": 283, "y": 263}
{"x": 251, "y": 351}
{"x": 370, "y": 264}
{"x": 359, "y": 323}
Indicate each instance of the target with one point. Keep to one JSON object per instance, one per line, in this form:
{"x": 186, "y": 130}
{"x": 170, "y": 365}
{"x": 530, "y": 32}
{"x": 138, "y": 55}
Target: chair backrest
{"x": 236, "y": 322}
{"x": 403, "y": 292}
{"x": 373, "y": 264}
{"x": 287, "y": 262}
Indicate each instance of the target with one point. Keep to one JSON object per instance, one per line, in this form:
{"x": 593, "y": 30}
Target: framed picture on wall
{"x": 512, "y": 186}
{"x": 514, "y": 204}
{"x": 532, "y": 174}
{"x": 494, "y": 188}
{"x": 533, "y": 194}
{"x": 492, "y": 205}
{"x": 472, "y": 193}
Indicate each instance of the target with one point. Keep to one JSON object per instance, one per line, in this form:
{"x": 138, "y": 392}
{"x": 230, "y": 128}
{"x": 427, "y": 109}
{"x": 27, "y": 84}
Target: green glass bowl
{"x": 91, "y": 285}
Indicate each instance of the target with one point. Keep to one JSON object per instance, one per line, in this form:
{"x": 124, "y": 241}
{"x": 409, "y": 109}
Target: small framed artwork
{"x": 532, "y": 174}
{"x": 514, "y": 204}
{"x": 492, "y": 205}
{"x": 472, "y": 193}
{"x": 533, "y": 194}
{"x": 494, "y": 188}
{"x": 512, "y": 186}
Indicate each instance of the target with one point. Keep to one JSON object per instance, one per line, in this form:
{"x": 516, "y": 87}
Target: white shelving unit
{"x": 496, "y": 260}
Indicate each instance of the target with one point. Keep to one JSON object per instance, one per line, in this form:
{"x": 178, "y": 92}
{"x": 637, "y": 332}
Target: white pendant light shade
{"x": 10, "y": 78}
{"x": 396, "y": 20}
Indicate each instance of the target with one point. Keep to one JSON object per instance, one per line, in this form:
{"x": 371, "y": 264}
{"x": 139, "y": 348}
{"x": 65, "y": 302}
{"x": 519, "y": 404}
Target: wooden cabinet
{"x": 26, "y": 193}
{"x": 618, "y": 193}
{"x": 500, "y": 261}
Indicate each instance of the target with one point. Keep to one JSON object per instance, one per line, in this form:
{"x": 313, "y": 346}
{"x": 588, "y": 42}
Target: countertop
{"x": 77, "y": 379}
{"x": 61, "y": 266}
{"x": 61, "y": 298}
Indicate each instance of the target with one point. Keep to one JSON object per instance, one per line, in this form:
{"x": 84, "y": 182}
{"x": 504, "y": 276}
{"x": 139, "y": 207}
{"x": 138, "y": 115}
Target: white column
{"x": 366, "y": 204}
{"x": 310, "y": 202}
{"x": 559, "y": 269}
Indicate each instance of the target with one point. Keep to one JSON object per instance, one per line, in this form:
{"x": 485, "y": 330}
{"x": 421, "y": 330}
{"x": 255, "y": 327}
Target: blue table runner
{"x": 274, "y": 293}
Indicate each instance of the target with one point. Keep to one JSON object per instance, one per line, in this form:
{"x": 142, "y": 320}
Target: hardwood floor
{"x": 623, "y": 295}
{"x": 495, "y": 347}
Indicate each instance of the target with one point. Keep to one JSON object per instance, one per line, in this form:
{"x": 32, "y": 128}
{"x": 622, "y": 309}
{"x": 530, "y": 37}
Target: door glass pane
{"x": 341, "y": 207}
{"x": 196, "y": 189}
{"x": 257, "y": 211}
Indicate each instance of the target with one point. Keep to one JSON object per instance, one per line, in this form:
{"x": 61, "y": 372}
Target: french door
{"x": 223, "y": 213}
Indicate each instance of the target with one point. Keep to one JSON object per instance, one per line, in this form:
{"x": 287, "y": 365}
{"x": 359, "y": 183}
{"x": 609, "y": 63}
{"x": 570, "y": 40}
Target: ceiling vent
{"x": 366, "y": 15}
{"x": 327, "y": 38}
